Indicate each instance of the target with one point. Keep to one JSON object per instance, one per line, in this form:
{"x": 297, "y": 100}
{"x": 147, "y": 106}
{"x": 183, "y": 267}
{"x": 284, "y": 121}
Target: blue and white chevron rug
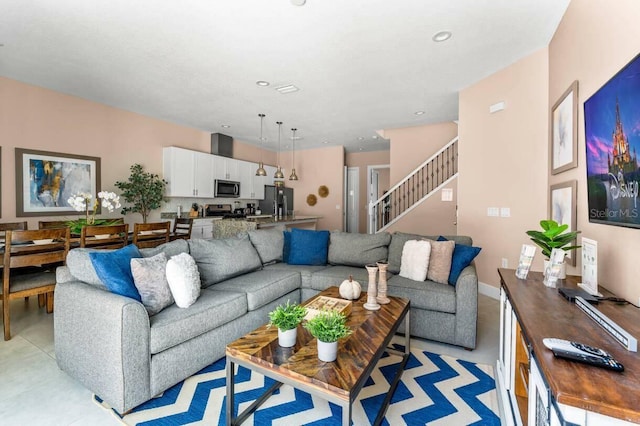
{"x": 435, "y": 390}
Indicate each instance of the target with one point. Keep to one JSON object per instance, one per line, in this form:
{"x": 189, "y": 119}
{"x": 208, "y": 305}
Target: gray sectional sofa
{"x": 111, "y": 345}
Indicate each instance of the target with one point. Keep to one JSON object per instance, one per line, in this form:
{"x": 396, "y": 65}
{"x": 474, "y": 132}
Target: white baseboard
{"x": 489, "y": 290}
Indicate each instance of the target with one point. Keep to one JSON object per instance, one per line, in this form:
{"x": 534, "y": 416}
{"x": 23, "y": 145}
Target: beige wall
{"x": 503, "y": 161}
{"x": 37, "y": 118}
{"x": 595, "y": 39}
{"x": 362, "y": 160}
{"x": 410, "y": 146}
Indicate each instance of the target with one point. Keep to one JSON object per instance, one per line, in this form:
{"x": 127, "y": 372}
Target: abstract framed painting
{"x": 564, "y": 131}
{"x": 562, "y": 209}
{"x": 45, "y": 181}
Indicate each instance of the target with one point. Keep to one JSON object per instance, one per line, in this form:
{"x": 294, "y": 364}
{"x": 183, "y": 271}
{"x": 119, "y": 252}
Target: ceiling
{"x": 360, "y": 65}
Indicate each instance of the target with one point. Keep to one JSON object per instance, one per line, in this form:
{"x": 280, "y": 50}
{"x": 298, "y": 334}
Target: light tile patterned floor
{"x": 34, "y": 391}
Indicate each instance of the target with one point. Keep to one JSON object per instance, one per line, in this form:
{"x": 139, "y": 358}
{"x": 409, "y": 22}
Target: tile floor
{"x": 33, "y": 391}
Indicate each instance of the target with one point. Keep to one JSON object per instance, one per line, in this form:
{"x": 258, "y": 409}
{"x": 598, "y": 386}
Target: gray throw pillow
{"x": 269, "y": 243}
{"x": 440, "y": 261}
{"x": 357, "y": 249}
{"x": 150, "y": 278}
{"x": 222, "y": 259}
{"x": 82, "y": 269}
{"x": 170, "y": 249}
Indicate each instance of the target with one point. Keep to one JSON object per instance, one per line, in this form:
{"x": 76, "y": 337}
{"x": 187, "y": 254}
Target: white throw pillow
{"x": 415, "y": 260}
{"x": 184, "y": 279}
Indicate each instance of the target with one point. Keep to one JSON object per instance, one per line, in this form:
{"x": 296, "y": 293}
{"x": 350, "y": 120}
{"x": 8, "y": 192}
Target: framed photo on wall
{"x": 562, "y": 206}
{"x": 45, "y": 181}
{"x": 564, "y": 131}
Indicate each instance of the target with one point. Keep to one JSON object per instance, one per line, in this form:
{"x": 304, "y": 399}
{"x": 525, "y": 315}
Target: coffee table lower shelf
{"x": 345, "y": 404}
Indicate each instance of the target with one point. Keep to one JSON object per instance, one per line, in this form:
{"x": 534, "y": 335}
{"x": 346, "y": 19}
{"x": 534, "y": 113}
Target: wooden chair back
{"x": 51, "y": 224}
{"x": 26, "y": 249}
{"x": 12, "y": 226}
{"x": 182, "y": 228}
{"x": 146, "y": 235}
{"x": 104, "y": 236}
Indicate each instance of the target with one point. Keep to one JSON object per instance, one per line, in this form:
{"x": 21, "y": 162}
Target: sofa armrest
{"x": 467, "y": 307}
{"x": 102, "y": 340}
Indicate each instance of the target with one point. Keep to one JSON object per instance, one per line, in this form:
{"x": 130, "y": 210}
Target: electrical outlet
{"x": 505, "y": 262}
{"x": 493, "y": 211}
{"x": 505, "y": 212}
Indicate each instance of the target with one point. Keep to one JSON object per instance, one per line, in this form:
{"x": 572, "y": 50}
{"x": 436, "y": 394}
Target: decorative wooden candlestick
{"x": 372, "y": 303}
{"x": 382, "y": 284}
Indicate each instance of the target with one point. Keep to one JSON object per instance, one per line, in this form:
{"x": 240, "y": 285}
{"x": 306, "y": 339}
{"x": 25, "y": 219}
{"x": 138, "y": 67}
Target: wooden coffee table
{"x": 340, "y": 381}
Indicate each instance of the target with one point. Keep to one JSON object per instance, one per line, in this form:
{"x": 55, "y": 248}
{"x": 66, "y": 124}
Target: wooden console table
{"x": 537, "y": 388}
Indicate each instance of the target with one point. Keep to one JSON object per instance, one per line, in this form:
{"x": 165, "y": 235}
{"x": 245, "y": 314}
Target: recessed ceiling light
{"x": 289, "y": 88}
{"x": 419, "y": 112}
{"x": 325, "y": 142}
{"x": 360, "y": 148}
{"x": 298, "y": 2}
{"x": 262, "y": 83}
{"x": 441, "y": 36}
{"x": 361, "y": 138}
{"x": 374, "y": 137}
{"x": 225, "y": 126}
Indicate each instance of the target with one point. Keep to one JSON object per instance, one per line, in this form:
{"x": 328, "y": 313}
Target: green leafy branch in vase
{"x": 552, "y": 236}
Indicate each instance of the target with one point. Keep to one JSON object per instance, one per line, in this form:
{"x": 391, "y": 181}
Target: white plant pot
{"x": 287, "y": 338}
{"x": 563, "y": 270}
{"x": 327, "y": 352}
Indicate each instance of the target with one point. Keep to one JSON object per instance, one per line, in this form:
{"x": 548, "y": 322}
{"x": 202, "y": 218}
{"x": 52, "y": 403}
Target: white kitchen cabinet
{"x": 188, "y": 173}
{"x": 202, "y": 229}
{"x": 225, "y": 168}
{"x": 251, "y": 186}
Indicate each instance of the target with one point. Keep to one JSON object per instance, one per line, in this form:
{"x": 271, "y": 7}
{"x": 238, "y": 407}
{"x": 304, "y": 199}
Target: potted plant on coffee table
{"x": 552, "y": 236}
{"x": 328, "y": 327}
{"x": 286, "y": 318}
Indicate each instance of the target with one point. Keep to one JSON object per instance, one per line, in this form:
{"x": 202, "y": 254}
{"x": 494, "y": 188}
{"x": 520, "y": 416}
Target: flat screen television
{"x": 612, "y": 135}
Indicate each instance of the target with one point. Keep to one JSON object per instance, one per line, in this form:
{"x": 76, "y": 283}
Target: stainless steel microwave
{"x": 226, "y": 189}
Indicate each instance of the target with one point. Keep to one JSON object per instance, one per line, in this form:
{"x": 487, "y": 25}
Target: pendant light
{"x": 293, "y": 175}
{"x": 279, "y": 174}
{"x": 261, "y": 171}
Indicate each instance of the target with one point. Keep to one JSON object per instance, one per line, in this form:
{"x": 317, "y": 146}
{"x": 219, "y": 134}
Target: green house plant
{"x": 144, "y": 190}
{"x": 286, "y": 318}
{"x": 328, "y": 327}
{"x": 552, "y": 236}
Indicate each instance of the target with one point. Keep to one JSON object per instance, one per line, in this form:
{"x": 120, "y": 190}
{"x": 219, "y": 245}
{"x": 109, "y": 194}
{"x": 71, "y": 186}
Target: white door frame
{"x": 370, "y": 196}
{"x": 352, "y": 185}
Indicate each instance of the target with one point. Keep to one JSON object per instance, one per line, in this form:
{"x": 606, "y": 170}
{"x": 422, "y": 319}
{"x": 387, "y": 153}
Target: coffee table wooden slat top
{"x": 356, "y": 353}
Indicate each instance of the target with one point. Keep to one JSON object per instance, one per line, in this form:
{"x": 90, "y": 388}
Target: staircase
{"x": 427, "y": 179}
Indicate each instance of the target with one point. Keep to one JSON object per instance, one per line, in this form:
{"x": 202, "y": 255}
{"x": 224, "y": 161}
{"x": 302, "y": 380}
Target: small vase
{"x": 563, "y": 270}
{"x": 382, "y": 284}
{"x": 327, "y": 352}
{"x": 287, "y": 338}
{"x": 372, "y": 292}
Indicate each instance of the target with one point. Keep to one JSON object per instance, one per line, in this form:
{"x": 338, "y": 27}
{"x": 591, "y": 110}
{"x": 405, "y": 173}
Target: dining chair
{"x": 25, "y": 249}
{"x": 104, "y": 236}
{"x": 51, "y": 224}
{"x": 146, "y": 235}
{"x": 182, "y": 229}
{"x": 12, "y": 226}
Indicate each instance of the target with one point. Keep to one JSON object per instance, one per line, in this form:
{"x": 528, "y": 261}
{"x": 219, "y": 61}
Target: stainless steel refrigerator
{"x": 277, "y": 199}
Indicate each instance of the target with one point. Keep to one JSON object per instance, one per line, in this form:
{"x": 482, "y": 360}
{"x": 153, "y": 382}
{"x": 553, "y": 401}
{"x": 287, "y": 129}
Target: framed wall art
{"x": 562, "y": 206}
{"x": 564, "y": 131}
{"x": 45, "y": 180}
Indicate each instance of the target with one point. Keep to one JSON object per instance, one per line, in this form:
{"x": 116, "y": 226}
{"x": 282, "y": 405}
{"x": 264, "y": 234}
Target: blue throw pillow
{"x": 463, "y": 255}
{"x": 286, "y": 249}
{"x": 114, "y": 270}
{"x": 308, "y": 247}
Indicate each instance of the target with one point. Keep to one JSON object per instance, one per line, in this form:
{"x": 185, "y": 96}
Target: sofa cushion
{"x": 184, "y": 279}
{"x": 170, "y": 249}
{"x": 415, "y": 260}
{"x": 150, "y": 278}
{"x": 357, "y": 249}
{"x": 305, "y": 271}
{"x": 424, "y": 294}
{"x": 222, "y": 259}
{"x": 334, "y": 275}
{"x": 113, "y": 267}
{"x": 440, "y": 261}
{"x": 308, "y": 247}
{"x": 399, "y": 238}
{"x": 269, "y": 243}
{"x": 262, "y": 287}
{"x": 81, "y": 268}
{"x": 463, "y": 255}
{"x": 213, "y": 309}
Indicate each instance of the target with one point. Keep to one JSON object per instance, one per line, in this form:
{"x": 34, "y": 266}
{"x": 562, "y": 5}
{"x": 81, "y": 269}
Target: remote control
{"x": 582, "y": 353}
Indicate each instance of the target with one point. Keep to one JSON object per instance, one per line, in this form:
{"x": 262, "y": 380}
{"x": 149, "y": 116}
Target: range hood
{"x": 222, "y": 145}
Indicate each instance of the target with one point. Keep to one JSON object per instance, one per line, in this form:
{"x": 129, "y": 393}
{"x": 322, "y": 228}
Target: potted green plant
{"x": 328, "y": 327}
{"x": 552, "y": 236}
{"x": 286, "y": 318}
{"x": 144, "y": 190}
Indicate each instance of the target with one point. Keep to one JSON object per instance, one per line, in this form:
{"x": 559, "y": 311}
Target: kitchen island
{"x": 297, "y": 221}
